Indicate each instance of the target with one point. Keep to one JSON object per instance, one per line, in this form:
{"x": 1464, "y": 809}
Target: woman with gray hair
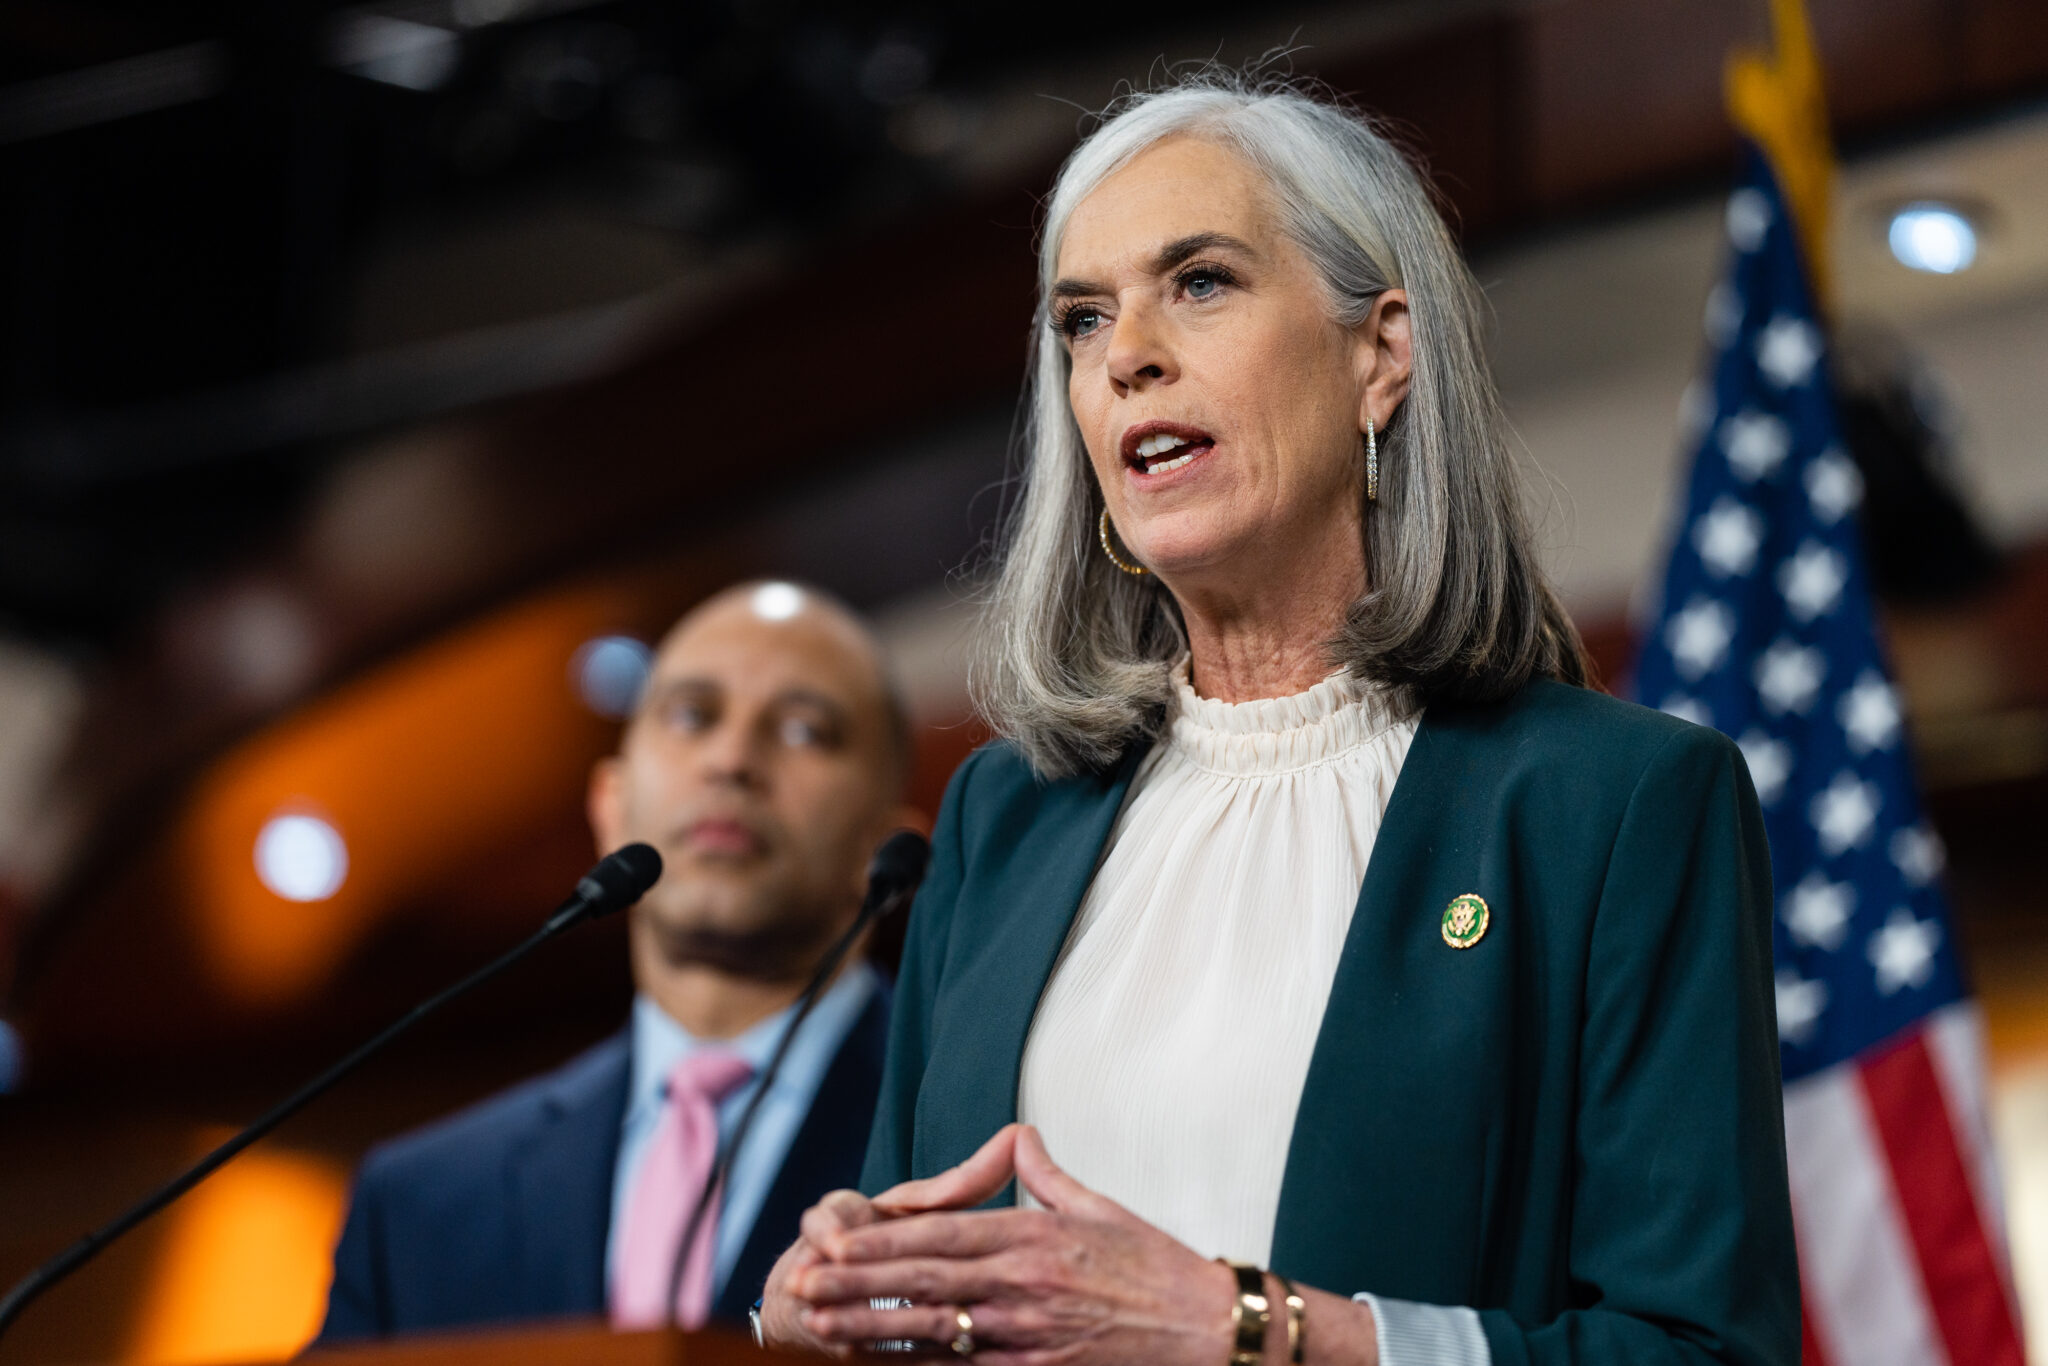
{"x": 1384, "y": 993}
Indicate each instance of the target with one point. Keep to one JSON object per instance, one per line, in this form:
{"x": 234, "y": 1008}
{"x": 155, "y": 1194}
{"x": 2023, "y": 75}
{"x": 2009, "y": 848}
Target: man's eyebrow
{"x": 1163, "y": 260}
{"x": 809, "y": 697}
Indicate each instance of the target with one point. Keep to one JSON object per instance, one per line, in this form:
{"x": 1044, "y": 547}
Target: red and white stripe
{"x": 1895, "y": 1194}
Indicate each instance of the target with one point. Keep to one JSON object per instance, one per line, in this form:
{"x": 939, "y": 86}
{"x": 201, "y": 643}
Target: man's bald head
{"x": 766, "y": 760}
{"x": 807, "y": 611}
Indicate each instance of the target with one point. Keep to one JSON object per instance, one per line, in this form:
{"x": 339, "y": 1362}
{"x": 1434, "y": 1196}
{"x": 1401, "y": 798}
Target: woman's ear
{"x": 1384, "y": 358}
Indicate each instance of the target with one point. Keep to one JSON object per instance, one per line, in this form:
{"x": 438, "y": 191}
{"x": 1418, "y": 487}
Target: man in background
{"x": 766, "y": 760}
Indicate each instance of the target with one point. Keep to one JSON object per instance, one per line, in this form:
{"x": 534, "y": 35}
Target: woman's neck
{"x": 1272, "y": 641}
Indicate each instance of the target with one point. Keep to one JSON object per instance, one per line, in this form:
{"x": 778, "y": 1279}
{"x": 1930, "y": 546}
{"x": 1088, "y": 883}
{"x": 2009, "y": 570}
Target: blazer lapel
{"x": 1403, "y": 1114}
{"x": 824, "y": 1156}
{"x": 997, "y": 966}
{"x": 561, "y": 1187}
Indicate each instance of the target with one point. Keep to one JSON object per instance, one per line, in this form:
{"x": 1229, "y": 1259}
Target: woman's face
{"x": 1221, "y": 407}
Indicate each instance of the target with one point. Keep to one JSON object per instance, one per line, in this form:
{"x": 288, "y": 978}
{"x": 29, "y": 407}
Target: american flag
{"x": 1767, "y": 631}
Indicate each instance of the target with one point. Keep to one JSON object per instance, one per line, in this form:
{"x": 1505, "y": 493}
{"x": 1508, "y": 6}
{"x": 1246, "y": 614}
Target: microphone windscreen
{"x": 898, "y": 865}
{"x": 620, "y": 878}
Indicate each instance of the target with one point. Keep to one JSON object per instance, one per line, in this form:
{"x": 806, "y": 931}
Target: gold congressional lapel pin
{"x": 1465, "y": 920}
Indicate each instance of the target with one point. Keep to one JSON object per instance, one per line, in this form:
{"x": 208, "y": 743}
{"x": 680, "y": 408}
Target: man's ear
{"x": 1385, "y": 358}
{"x": 908, "y": 817}
{"x": 604, "y": 802}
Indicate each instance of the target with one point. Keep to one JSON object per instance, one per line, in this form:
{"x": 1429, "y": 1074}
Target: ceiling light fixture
{"x": 1932, "y": 236}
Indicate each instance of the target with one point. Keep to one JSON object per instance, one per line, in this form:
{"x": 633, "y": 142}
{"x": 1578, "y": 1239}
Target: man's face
{"x": 761, "y": 765}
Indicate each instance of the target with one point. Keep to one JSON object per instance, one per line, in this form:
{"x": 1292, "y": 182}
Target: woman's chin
{"x": 1185, "y": 559}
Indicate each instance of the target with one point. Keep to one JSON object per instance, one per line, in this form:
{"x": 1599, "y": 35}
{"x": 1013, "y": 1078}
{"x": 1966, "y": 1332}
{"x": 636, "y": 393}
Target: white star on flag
{"x": 1833, "y": 485}
{"x": 1770, "y": 764}
{"x": 1903, "y": 951}
{"x": 1843, "y": 813}
{"x": 1817, "y": 911}
{"x": 1869, "y": 713}
{"x": 1787, "y": 350}
{"x": 1812, "y": 580}
{"x": 1800, "y": 1003}
{"x": 1749, "y": 218}
{"x": 1699, "y": 636}
{"x": 1756, "y": 443}
{"x": 1724, "y": 314}
{"x": 1918, "y": 853}
{"x": 1687, "y": 709}
{"x": 1788, "y": 675}
{"x": 1727, "y": 537}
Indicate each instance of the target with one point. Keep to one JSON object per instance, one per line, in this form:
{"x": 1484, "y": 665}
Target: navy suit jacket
{"x": 499, "y": 1213}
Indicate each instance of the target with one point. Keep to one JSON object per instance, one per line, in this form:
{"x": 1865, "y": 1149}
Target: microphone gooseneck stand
{"x": 616, "y": 882}
{"x": 893, "y": 876}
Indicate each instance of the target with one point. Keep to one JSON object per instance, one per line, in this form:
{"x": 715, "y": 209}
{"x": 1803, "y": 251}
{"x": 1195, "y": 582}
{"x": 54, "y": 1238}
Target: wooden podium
{"x": 562, "y": 1344}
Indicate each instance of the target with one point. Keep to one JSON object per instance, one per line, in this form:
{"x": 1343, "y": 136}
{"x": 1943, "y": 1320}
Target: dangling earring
{"x": 1372, "y": 466}
{"x": 1102, "y": 530}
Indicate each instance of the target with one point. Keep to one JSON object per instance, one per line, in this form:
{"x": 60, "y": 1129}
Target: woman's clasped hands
{"x": 1081, "y": 1280}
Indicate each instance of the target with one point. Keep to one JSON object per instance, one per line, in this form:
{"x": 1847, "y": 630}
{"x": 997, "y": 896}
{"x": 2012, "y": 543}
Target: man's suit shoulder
{"x": 442, "y": 1159}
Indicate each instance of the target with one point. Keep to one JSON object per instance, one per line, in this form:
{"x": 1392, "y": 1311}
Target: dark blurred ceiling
{"x": 329, "y": 327}
{"x": 237, "y": 234}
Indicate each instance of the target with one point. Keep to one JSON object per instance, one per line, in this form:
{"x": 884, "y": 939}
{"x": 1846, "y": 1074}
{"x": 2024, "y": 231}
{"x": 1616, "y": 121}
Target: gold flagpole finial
{"x": 1777, "y": 100}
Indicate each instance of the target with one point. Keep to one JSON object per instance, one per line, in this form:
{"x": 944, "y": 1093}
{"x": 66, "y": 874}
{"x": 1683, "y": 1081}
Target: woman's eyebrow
{"x": 1163, "y": 260}
{"x": 1182, "y": 248}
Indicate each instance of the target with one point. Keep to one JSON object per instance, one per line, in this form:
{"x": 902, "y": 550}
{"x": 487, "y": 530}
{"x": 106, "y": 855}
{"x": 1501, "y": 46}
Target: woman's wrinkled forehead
{"x": 1174, "y": 189}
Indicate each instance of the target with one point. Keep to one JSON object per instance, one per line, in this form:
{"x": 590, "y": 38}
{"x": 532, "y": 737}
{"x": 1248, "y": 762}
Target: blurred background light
{"x": 301, "y": 857}
{"x": 395, "y": 51}
{"x": 1937, "y": 238}
{"x": 610, "y": 672}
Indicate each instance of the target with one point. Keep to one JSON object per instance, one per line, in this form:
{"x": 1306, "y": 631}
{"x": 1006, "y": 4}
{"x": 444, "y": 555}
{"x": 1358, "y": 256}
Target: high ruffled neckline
{"x": 1278, "y": 734}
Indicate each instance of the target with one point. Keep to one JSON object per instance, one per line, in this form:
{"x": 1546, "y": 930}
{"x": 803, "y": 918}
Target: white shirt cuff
{"x": 1412, "y": 1334}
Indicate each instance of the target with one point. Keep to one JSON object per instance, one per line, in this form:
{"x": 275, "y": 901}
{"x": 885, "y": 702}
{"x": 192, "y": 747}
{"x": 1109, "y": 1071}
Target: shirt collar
{"x": 659, "y": 1042}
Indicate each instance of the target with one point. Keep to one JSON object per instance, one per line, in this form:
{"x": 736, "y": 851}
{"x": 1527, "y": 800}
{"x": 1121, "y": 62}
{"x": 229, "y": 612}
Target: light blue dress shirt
{"x": 659, "y": 1043}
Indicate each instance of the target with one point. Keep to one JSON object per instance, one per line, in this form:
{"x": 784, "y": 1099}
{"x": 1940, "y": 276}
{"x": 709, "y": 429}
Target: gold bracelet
{"x": 1250, "y": 1312}
{"x": 1297, "y": 1331}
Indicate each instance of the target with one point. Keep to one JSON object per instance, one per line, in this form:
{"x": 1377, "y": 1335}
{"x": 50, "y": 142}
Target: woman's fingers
{"x": 921, "y": 1280}
{"x": 854, "y": 1325}
{"x": 1052, "y": 1187}
{"x": 973, "y": 1233}
{"x": 961, "y": 1187}
{"x": 1015, "y": 1332}
{"x": 826, "y": 1224}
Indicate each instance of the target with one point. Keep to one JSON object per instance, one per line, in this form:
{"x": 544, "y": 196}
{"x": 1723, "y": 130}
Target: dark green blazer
{"x": 1572, "y": 1126}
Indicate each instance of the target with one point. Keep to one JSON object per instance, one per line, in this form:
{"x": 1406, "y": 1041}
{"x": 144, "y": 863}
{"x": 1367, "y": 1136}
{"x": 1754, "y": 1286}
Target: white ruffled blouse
{"x": 1166, "y": 1061}
{"x": 1167, "y": 1057}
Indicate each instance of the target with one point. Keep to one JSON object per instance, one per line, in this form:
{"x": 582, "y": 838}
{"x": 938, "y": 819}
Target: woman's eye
{"x": 1079, "y": 322}
{"x": 1201, "y": 285}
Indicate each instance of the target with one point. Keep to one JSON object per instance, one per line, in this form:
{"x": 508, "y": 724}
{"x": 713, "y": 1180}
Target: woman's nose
{"x": 1139, "y": 356}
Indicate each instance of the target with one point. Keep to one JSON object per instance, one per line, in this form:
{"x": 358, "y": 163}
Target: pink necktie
{"x": 672, "y": 1175}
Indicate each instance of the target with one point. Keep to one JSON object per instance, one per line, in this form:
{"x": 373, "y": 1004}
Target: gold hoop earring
{"x": 1102, "y": 531}
{"x": 1372, "y": 464}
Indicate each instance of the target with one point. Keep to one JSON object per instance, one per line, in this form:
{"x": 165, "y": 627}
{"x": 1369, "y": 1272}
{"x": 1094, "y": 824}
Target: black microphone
{"x": 893, "y": 876}
{"x": 618, "y": 880}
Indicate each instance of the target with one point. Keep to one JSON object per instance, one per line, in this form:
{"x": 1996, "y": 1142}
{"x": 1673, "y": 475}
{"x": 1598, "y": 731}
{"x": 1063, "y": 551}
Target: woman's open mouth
{"x": 1154, "y": 448}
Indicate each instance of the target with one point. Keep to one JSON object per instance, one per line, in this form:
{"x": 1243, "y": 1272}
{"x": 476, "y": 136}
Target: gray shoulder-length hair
{"x": 1074, "y": 655}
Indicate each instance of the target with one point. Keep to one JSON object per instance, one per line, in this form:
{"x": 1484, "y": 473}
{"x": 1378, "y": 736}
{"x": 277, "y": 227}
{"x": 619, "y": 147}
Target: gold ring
{"x": 963, "y": 1341}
